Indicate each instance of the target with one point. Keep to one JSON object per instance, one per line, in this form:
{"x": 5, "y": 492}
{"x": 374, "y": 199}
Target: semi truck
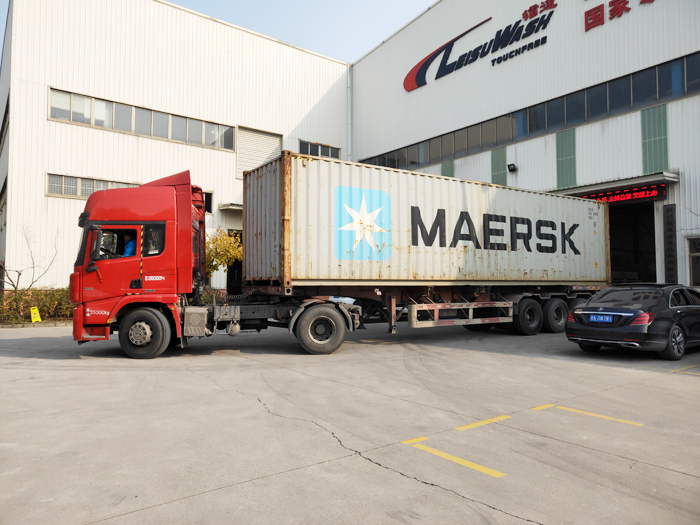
{"x": 332, "y": 246}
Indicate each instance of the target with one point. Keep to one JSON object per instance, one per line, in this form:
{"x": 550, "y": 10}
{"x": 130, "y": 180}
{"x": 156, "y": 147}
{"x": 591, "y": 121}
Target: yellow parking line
{"x": 460, "y": 461}
{"x": 412, "y": 441}
{"x": 485, "y": 422}
{"x": 602, "y": 417}
{"x": 542, "y": 407}
{"x": 686, "y": 368}
{"x": 689, "y": 373}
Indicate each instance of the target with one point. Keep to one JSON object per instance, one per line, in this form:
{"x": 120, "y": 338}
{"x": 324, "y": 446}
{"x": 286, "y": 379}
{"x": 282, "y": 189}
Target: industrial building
{"x": 598, "y": 101}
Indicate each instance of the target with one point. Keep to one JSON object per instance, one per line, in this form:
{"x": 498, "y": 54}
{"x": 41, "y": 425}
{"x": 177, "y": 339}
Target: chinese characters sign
{"x": 616, "y": 9}
{"x": 656, "y": 192}
{"x": 535, "y": 10}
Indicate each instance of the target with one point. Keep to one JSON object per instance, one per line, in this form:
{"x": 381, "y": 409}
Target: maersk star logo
{"x": 363, "y": 224}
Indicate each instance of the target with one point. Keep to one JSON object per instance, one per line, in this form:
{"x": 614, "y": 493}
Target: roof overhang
{"x": 231, "y": 206}
{"x": 645, "y": 180}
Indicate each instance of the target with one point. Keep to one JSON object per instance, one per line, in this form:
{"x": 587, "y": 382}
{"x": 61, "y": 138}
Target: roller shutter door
{"x": 256, "y": 148}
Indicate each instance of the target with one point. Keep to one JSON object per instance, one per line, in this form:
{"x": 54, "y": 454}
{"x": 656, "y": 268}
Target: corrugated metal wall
{"x": 324, "y": 192}
{"x": 386, "y": 116}
{"x": 151, "y": 54}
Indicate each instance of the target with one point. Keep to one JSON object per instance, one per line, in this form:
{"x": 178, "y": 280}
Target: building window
{"x": 60, "y": 105}
{"x": 692, "y": 66}
{"x": 122, "y": 117}
{"x": 597, "y": 98}
{"x": 104, "y": 114}
{"x": 654, "y": 140}
{"x": 671, "y": 80}
{"x": 620, "y": 96}
{"x": 81, "y": 109}
{"x": 644, "y": 88}
{"x": 319, "y": 150}
{"x": 161, "y": 123}
{"x": 66, "y": 186}
{"x": 694, "y": 250}
{"x": 576, "y": 109}
{"x": 538, "y": 120}
{"x": 142, "y": 125}
{"x": 556, "y": 114}
{"x": 208, "y": 201}
{"x": 194, "y": 131}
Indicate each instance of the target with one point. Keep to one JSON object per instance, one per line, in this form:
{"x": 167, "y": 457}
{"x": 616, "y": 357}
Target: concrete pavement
{"x": 253, "y": 430}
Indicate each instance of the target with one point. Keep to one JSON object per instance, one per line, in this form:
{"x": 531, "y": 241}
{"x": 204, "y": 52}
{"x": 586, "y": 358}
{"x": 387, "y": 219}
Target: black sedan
{"x": 659, "y": 318}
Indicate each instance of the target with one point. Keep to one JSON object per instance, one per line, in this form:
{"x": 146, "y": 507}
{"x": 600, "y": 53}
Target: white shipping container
{"x": 311, "y": 221}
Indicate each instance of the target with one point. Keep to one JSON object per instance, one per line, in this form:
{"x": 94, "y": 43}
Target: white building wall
{"x": 387, "y": 117}
{"x": 155, "y": 55}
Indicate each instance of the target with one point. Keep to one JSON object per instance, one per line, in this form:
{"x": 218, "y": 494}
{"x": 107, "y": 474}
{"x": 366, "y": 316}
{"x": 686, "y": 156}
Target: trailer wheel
{"x": 555, "y": 312}
{"x": 529, "y": 319}
{"x": 144, "y": 333}
{"x": 320, "y": 329}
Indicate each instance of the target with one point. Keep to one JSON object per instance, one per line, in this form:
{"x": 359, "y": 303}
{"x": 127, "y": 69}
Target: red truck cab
{"x": 141, "y": 255}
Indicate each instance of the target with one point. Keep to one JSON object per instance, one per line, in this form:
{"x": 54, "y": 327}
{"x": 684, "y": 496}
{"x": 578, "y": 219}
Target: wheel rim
{"x": 560, "y": 315}
{"x": 322, "y": 329}
{"x": 530, "y": 318}
{"x": 140, "y": 333}
{"x": 677, "y": 341}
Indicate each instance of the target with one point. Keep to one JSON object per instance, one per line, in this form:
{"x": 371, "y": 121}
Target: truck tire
{"x": 144, "y": 333}
{"x": 576, "y": 302}
{"x": 320, "y": 329}
{"x": 529, "y": 319}
{"x": 555, "y": 312}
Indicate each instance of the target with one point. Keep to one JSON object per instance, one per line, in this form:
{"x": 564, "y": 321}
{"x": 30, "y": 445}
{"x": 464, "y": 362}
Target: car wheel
{"x": 675, "y": 348}
{"x": 589, "y": 347}
{"x": 555, "y": 313}
{"x": 144, "y": 333}
{"x": 529, "y": 319}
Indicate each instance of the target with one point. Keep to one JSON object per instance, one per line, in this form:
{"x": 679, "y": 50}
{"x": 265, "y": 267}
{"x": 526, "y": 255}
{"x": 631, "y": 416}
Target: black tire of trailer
{"x": 320, "y": 329}
{"x": 148, "y": 325}
{"x": 555, "y": 311}
{"x": 529, "y": 318}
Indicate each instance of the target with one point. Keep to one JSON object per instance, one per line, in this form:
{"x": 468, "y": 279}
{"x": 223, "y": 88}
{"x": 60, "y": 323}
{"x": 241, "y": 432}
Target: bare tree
{"x": 35, "y": 271}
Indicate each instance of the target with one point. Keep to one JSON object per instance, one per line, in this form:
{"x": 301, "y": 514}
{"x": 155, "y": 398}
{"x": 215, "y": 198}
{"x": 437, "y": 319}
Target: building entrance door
{"x": 632, "y": 243}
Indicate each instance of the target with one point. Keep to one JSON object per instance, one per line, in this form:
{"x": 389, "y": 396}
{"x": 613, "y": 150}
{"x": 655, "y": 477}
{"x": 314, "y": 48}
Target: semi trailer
{"x": 332, "y": 246}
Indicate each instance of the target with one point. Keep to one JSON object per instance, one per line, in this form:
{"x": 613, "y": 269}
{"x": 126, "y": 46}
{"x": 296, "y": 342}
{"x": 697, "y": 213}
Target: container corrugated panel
{"x": 262, "y": 223}
{"x": 356, "y": 224}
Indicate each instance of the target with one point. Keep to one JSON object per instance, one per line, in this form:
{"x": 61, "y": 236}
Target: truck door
{"x": 118, "y": 262}
{"x": 159, "y": 261}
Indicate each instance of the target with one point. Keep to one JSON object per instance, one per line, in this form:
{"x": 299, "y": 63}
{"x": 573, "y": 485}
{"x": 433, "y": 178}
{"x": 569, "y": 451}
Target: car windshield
{"x": 644, "y": 298}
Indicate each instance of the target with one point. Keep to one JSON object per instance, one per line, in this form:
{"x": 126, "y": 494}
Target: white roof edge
{"x": 662, "y": 176}
{"x": 175, "y": 6}
{"x": 395, "y": 33}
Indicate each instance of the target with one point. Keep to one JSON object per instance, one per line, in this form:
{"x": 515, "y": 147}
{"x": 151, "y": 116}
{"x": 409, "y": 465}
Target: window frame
{"x": 132, "y": 131}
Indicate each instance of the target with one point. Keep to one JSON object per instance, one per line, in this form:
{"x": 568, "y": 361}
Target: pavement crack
{"x": 358, "y": 453}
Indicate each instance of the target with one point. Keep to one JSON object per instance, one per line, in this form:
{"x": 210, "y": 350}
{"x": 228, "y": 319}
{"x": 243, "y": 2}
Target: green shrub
{"x": 52, "y": 304}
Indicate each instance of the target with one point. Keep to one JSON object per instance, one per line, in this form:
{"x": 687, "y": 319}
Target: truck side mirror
{"x": 96, "y": 245}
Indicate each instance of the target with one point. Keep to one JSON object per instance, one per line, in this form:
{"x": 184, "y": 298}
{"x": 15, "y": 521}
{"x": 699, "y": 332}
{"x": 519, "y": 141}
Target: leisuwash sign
{"x": 502, "y": 41}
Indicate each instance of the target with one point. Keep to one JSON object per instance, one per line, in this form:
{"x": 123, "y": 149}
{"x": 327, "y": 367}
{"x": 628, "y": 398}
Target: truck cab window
{"x": 154, "y": 240}
{"x": 118, "y": 243}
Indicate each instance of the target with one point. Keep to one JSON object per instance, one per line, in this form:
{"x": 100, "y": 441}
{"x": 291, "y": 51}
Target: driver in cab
{"x": 129, "y": 245}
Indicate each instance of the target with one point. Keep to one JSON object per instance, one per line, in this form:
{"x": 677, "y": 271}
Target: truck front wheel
{"x": 320, "y": 329}
{"x": 529, "y": 319}
{"x": 144, "y": 333}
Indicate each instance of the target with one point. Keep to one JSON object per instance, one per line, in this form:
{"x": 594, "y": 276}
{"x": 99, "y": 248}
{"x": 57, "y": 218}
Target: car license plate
{"x": 600, "y": 318}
